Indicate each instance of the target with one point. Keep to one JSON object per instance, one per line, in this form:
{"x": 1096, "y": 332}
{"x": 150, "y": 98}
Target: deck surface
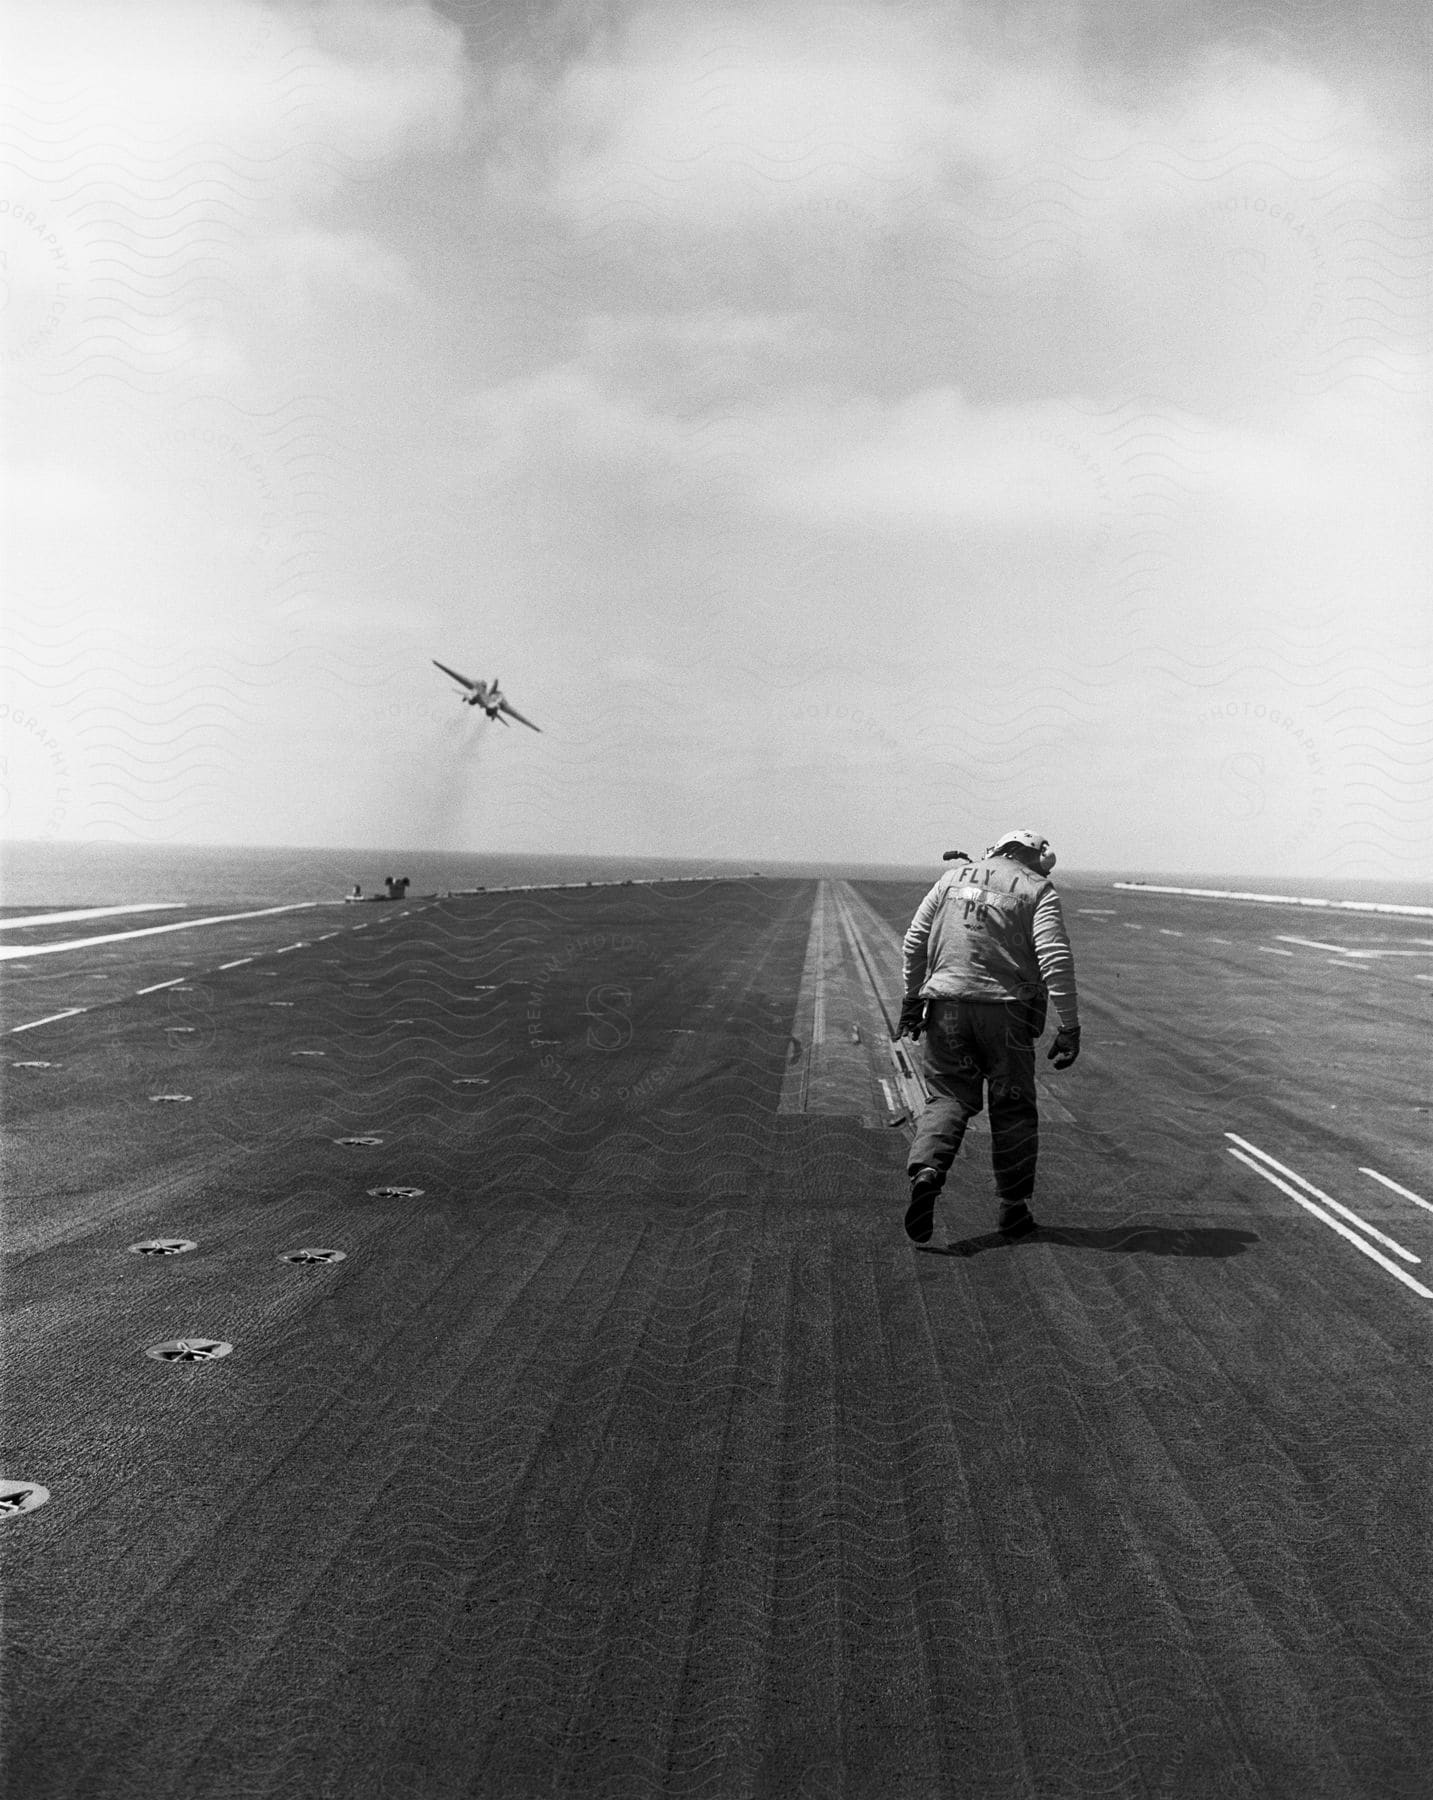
{"x": 636, "y": 1452}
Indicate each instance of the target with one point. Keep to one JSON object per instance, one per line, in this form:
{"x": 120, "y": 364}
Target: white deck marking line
{"x": 238, "y": 964}
{"x": 1363, "y": 906}
{"x": 1407, "y": 1193}
{"x": 1343, "y": 1230}
{"x": 1318, "y": 1194}
{"x": 68, "y": 1013}
{"x": 88, "y": 912}
{"x": 910, "y": 1083}
{"x": 886, "y": 1090}
{"x": 1164, "y": 931}
{"x": 115, "y": 937}
{"x": 1227, "y": 941}
{"x": 301, "y": 945}
{"x": 1315, "y": 944}
{"x": 161, "y": 984}
{"x": 818, "y": 1009}
{"x": 1271, "y": 951}
{"x": 1361, "y": 955}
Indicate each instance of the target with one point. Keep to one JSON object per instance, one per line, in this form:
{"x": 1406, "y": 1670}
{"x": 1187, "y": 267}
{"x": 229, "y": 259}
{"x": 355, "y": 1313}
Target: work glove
{"x": 1066, "y": 1046}
{"x": 912, "y": 1018}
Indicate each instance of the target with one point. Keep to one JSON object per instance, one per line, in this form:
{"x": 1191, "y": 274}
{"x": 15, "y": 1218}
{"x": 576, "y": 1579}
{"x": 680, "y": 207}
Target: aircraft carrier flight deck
{"x": 468, "y": 1345}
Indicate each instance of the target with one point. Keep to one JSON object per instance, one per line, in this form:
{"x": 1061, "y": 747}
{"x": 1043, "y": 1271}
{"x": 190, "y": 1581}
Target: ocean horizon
{"x": 42, "y": 873}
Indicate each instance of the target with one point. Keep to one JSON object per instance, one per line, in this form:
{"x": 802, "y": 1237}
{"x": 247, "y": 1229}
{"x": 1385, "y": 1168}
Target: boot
{"x": 1016, "y": 1220}
{"x": 926, "y": 1183}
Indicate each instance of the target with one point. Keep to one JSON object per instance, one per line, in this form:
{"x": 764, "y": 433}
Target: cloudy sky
{"x": 848, "y": 430}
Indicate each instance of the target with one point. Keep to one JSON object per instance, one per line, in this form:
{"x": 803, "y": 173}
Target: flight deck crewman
{"x": 985, "y": 953}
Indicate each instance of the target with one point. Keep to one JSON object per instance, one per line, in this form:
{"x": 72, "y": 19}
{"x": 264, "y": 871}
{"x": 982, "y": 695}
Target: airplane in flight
{"x": 488, "y": 695}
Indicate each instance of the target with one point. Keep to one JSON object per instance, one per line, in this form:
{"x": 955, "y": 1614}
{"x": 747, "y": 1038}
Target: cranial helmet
{"x": 1027, "y": 840}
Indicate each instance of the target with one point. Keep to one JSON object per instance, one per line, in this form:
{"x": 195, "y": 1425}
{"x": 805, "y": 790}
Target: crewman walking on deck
{"x": 985, "y": 953}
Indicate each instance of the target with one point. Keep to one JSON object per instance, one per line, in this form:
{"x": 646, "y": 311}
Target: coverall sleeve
{"x": 1057, "y": 960}
{"x": 917, "y": 938}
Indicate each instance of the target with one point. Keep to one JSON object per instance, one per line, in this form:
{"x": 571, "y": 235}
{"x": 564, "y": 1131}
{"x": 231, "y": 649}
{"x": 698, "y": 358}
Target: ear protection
{"x": 1044, "y": 855}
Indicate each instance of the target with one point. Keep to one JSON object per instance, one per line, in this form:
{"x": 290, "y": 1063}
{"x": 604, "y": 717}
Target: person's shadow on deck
{"x": 1122, "y": 1240}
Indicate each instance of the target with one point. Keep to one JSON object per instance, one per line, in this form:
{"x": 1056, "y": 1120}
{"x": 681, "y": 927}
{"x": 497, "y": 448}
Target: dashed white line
{"x": 1407, "y": 1193}
{"x": 154, "y": 989}
{"x": 1316, "y": 944}
{"x": 303, "y": 945}
{"x": 68, "y": 1013}
{"x": 1271, "y": 951}
{"x": 238, "y": 963}
{"x": 1227, "y": 942}
{"x": 1343, "y": 1230}
{"x": 1318, "y": 1194}
{"x": 1164, "y": 931}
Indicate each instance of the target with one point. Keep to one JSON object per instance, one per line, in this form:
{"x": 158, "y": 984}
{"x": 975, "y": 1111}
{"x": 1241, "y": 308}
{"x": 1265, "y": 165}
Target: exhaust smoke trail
{"x": 446, "y": 785}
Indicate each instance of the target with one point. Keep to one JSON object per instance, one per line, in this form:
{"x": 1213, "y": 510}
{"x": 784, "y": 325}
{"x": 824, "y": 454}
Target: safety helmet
{"x": 1027, "y": 840}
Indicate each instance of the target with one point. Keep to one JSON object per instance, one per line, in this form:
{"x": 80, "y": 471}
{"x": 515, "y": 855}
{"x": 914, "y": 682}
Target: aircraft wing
{"x": 471, "y": 686}
{"x": 513, "y": 712}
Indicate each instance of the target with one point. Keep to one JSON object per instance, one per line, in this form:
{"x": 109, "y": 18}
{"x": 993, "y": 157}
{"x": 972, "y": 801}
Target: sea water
{"x": 49, "y": 873}
{"x": 110, "y": 874}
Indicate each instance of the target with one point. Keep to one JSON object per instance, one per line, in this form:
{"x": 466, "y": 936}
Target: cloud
{"x": 948, "y": 202}
{"x": 934, "y": 459}
{"x": 714, "y": 112}
{"x": 830, "y": 348}
{"x": 715, "y": 116}
{"x": 567, "y": 414}
{"x": 658, "y": 422}
{"x": 308, "y": 273}
{"x": 301, "y": 84}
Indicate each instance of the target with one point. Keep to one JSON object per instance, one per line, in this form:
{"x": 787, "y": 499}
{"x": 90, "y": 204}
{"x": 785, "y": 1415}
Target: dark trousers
{"x": 971, "y": 1045}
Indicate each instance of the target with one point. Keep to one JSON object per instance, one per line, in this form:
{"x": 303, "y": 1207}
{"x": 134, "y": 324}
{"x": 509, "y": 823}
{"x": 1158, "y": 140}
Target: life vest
{"x": 982, "y": 939}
